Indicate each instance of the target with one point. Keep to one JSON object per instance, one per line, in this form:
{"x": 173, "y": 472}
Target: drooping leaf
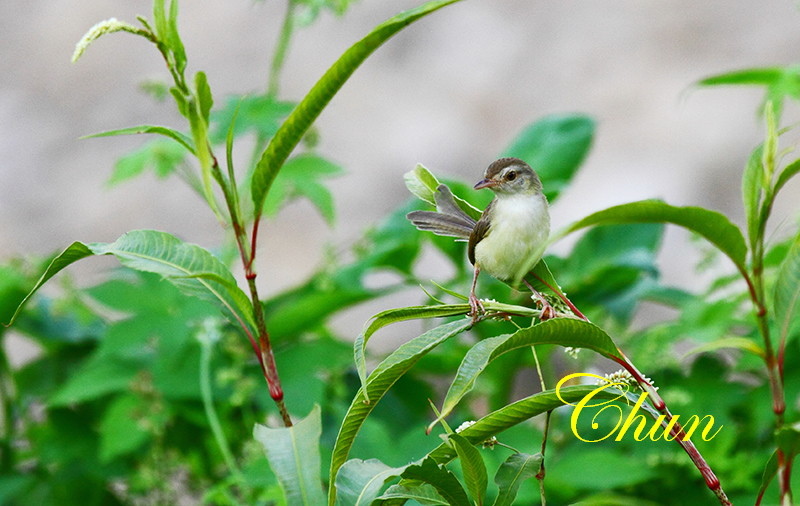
{"x": 472, "y": 467}
{"x": 307, "y": 111}
{"x": 73, "y": 253}
{"x": 778, "y": 82}
{"x": 566, "y": 332}
{"x": 102, "y": 28}
{"x": 181, "y": 138}
{"x": 554, "y": 146}
{"x": 516, "y": 469}
{"x": 191, "y": 268}
{"x": 711, "y": 225}
{"x": 293, "y": 455}
{"x": 378, "y": 383}
{"x": 359, "y": 482}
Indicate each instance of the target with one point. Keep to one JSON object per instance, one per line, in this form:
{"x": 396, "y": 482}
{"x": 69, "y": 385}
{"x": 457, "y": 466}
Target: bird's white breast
{"x": 520, "y": 225}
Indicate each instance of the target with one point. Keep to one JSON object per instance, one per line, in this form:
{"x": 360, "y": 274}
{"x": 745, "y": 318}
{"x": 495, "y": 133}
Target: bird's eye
{"x": 511, "y": 175}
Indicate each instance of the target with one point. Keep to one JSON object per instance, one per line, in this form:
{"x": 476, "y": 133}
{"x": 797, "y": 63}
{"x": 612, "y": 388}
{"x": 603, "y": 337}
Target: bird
{"x": 509, "y": 236}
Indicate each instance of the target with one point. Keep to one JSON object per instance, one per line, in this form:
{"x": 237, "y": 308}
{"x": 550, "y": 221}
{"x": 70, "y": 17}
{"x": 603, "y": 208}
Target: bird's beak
{"x": 485, "y": 183}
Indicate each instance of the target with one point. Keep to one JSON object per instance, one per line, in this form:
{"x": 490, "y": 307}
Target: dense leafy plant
{"x": 124, "y": 405}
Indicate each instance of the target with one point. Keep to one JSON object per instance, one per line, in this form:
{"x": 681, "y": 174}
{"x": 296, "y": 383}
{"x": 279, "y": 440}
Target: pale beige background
{"x": 449, "y": 92}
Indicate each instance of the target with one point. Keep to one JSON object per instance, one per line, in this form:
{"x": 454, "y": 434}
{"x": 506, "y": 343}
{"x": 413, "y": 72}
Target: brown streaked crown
{"x": 495, "y": 167}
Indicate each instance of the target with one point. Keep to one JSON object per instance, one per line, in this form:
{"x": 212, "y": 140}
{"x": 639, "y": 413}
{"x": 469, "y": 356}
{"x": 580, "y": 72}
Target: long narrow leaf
{"x": 561, "y": 331}
{"x": 472, "y": 467}
{"x": 390, "y": 316}
{"x": 181, "y": 138}
{"x": 75, "y": 252}
{"x": 517, "y": 412}
{"x": 191, "y": 268}
{"x": 787, "y": 290}
{"x": 307, "y": 111}
{"x": 379, "y": 382}
{"x": 293, "y": 454}
{"x": 711, "y": 225}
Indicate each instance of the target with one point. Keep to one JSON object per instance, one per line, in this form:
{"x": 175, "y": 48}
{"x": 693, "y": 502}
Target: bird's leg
{"x": 547, "y": 309}
{"x": 476, "y": 307}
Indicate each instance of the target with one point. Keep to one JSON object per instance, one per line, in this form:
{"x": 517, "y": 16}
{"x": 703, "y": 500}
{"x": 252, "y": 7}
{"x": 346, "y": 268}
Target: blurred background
{"x": 450, "y": 92}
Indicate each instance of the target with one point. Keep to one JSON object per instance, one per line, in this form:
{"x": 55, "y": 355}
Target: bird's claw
{"x": 476, "y": 308}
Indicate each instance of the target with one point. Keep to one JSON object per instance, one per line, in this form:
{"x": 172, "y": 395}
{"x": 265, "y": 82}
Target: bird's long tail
{"x": 448, "y": 219}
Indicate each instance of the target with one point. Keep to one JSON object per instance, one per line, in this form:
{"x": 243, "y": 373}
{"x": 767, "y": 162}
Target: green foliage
{"x": 293, "y": 453}
{"x": 151, "y": 398}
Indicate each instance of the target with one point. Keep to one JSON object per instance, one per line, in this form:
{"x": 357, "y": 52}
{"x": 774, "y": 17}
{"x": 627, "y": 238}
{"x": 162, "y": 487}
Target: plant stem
{"x": 267, "y": 356}
{"x": 281, "y": 49}
{"x": 7, "y": 405}
{"x": 677, "y": 432}
{"x": 211, "y": 414}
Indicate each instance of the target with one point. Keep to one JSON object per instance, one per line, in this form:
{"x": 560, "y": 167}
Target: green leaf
{"x": 472, "y": 467}
{"x": 181, "y": 138}
{"x": 98, "y": 376}
{"x": 390, "y": 316}
{"x": 566, "y": 332}
{"x": 73, "y": 253}
{"x": 162, "y": 156}
{"x": 302, "y": 177}
{"x": 752, "y": 190}
{"x": 787, "y": 290}
{"x": 122, "y": 428}
{"x": 260, "y": 114}
{"x": 102, "y": 28}
{"x": 192, "y": 269}
{"x": 786, "y": 174}
{"x": 307, "y": 111}
{"x": 733, "y": 342}
{"x": 421, "y": 492}
{"x": 517, "y": 412}
{"x": 293, "y": 454}
{"x": 205, "y": 100}
{"x": 423, "y": 184}
{"x": 779, "y": 82}
{"x": 359, "y": 482}
{"x": 516, "y": 469}
{"x": 711, "y": 225}
{"x": 445, "y": 482}
{"x": 555, "y": 146}
{"x": 378, "y": 383}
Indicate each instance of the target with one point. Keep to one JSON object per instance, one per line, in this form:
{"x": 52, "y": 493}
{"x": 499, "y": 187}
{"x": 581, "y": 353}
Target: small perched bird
{"x": 511, "y": 231}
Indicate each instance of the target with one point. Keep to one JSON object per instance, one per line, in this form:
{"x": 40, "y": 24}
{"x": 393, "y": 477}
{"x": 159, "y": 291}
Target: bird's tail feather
{"x": 449, "y": 219}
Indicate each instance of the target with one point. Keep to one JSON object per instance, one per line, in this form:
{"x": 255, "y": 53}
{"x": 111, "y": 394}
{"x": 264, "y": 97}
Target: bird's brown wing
{"x": 479, "y": 232}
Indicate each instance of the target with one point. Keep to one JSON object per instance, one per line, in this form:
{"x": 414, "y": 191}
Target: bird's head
{"x": 510, "y": 176}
